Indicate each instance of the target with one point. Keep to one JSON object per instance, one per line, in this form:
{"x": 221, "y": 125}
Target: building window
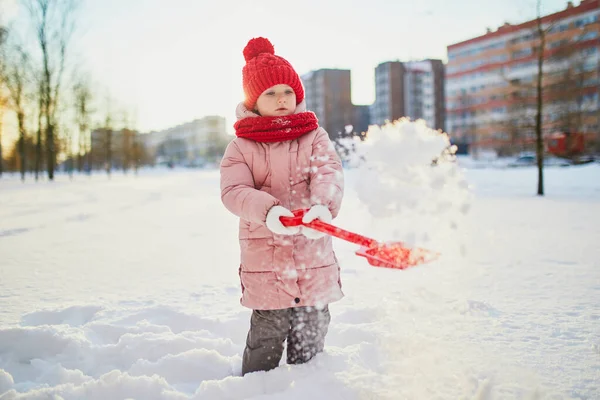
{"x": 586, "y": 21}
{"x": 522, "y": 53}
{"x": 587, "y": 36}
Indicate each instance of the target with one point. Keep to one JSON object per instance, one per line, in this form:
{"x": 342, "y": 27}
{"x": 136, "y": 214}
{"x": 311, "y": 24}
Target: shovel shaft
{"x": 329, "y": 229}
{"x": 389, "y": 255}
{"x": 340, "y": 233}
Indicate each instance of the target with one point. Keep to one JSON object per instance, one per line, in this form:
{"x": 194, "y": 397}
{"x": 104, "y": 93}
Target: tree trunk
{"x": 81, "y": 151}
{"x": 21, "y": 120}
{"x": 50, "y": 151}
{"x": 38, "y": 153}
{"x": 47, "y": 91}
{"x": 38, "y": 142}
{"x": 88, "y": 158}
{"x": 136, "y": 153}
{"x": 82, "y": 112}
{"x": 539, "y": 140}
{"x": 108, "y": 151}
{"x": 128, "y": 149}
{"x": 1, "y": 159}
{"x": 70, "y": 155}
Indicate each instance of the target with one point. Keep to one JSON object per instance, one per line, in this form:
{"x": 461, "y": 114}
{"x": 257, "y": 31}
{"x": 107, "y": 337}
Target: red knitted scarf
{"x": 276, "y": 129}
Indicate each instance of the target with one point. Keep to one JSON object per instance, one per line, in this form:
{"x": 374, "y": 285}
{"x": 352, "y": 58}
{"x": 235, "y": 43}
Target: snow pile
{"x": 409, "y": 182}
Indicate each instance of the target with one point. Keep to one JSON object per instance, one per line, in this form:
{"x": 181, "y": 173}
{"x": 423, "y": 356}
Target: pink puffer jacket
{"x": 279, "y": 271}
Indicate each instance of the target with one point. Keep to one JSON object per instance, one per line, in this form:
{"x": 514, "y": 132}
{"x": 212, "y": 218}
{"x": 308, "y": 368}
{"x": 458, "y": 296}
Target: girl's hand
{"x": 275, "y": 225}
{"x": 316, "y": 212}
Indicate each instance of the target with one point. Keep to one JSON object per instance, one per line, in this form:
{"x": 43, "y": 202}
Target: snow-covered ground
{"x": 128, "y": 289}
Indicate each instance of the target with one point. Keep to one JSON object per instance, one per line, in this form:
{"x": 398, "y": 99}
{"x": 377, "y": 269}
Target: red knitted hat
{"x": 264, "y": 69}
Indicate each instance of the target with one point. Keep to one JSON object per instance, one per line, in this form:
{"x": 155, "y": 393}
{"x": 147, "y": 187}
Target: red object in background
{"x": 389, "y": 255}
{"x": 565, "y": 143}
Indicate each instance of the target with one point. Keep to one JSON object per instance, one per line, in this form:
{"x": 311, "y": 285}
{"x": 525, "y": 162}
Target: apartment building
{"x": 328, "y": 94}
{"x": 389, "y": 92}
{"x": 413, "y": 89}
{"x": 191, "y": 144}
{"x": 491, "y": 79}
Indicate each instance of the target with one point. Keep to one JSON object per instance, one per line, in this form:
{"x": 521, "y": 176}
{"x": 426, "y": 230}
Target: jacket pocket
{"x": 256, "y": 254}
{"x": 258, "y": 231}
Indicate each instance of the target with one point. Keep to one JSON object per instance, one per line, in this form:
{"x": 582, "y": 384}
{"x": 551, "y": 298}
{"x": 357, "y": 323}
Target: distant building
{"x": 362, "y": 119}
{"x": 193, "y": 143}
{"x": 424, "y": 92}
{"x": 491, "y": 80}
{"x": 389, "y": 93}
{"x": 413, "y": 89}
{"x": 329, "y": 96}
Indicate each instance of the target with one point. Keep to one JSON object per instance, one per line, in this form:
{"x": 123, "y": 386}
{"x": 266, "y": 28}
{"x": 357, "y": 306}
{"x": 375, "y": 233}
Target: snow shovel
{"x": 388, "y": 255}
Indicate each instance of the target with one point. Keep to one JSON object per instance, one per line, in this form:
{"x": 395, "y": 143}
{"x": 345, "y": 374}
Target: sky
{"x": 169, "y": 62}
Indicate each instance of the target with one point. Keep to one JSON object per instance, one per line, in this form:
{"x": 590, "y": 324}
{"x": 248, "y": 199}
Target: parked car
{"x": 530, "y": 160}
{"x": 552, "y": 161}
{"x": 523, "y": 161}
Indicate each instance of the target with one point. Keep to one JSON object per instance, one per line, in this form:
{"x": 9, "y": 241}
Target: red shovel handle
{"x": 329, "y": 229}
{"x": 390, "y": 255}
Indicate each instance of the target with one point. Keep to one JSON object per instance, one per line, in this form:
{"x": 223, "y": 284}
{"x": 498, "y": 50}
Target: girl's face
{"x": 276, "y": 101}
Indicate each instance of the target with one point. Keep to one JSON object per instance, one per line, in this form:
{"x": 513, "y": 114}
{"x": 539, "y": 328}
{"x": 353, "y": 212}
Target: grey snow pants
{"x": 303, "y": 327}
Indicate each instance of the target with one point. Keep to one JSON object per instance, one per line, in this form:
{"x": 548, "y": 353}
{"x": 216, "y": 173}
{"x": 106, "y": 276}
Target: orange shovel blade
{"x": 396, "y": 255}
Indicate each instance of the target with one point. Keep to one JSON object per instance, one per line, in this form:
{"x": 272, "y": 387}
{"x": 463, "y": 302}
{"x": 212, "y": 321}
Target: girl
{"x": 281, "y": 160}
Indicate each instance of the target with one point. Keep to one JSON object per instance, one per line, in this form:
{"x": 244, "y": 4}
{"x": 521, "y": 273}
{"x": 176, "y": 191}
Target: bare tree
{"x": 3, "y": 33}
{"x": 568, "y": 83}
{"x": 520, "y": 120}
{"x": 68, "y": 150}
{"x": 527, "y": 99}
{"x": 108, "y": 138}
{"x": 137, "y": 151}
{"x": 520, "y": 95}
{"x": 126, "y": 148}
{"x": 13, "y": 157}
{"x": 2, "y": 100}
{"x": 39, "y": 130}
{"x": 83, "y": 98}
{"x": 128, "y": 138}
{"x": 16, "y": 72}
{"x": 54, "y": 25}
{"x": 539, "y": 140}
{"x": 139, "y": 154}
